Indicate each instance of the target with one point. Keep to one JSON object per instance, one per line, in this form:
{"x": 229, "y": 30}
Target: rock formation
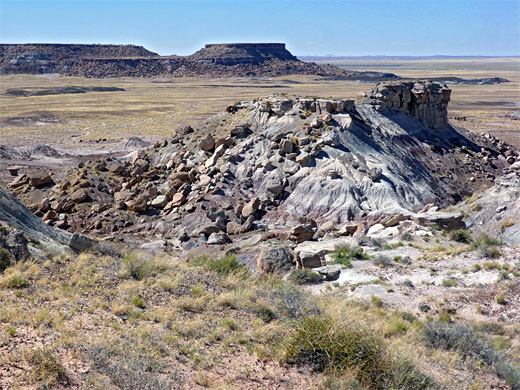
{"x": 214, "y": 60}
{"x": 297, "y": 167}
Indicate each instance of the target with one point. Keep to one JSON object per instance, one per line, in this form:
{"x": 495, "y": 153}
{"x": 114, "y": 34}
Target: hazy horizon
{"x": 309, "y": 28}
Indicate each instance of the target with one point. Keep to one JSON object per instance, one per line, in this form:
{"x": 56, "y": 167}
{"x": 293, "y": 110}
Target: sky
{"x": 308, "y": 27}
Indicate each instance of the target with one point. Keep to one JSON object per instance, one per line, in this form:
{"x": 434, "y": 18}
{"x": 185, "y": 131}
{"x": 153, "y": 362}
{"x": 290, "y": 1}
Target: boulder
{"x": 447, "y": 221}
{"x": 208, "y": 143}
{"x": 250, "y": 207}
{"x": 79, "y": 196}
{"x": 160, "y": 202}
{"x": 274, "y": 187}
{"x": 178, "y": 199}
{"x": 329, "y": 272}
{"x": 302, "y": 232}
{"x": 79, "y": 242}
{"x": 218, "y": 239}
{"x": 40, "y": 179}
{"x": 286, "y": 146}
{"x": 275, "y": 260}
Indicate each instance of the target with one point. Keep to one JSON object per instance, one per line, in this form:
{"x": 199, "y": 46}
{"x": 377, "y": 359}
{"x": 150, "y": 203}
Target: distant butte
{"x": 214, "y": 60}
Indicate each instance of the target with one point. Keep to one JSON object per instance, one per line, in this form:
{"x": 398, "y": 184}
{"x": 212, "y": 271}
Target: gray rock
{"x": 275, "y": 260}
{"x": 330, "y": 272}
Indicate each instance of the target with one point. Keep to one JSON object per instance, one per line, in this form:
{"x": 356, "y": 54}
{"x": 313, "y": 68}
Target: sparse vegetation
{"x": 305, "y": 276}
{"x": 344, "y": 255}
{"x": 460, "y": 236}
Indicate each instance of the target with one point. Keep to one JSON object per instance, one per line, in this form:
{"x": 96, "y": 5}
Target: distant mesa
{"x": 214, "y": 61}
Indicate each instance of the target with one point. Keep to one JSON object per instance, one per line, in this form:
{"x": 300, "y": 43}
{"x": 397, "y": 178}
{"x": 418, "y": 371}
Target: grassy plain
{"x": 153, "y": 108}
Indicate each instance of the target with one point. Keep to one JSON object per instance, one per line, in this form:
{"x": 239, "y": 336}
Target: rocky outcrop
{"x": 426, "y": 101}
{"x": 285, "y": 164}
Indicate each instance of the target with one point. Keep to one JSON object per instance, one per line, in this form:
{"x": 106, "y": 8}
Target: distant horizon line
{"x": 299, "y": 56}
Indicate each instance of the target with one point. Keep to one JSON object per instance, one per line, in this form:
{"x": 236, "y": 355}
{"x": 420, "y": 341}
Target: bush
{"x": 305, "y": 276}
{"x": 17, "y": 281}
{"x": 136, "y": 267}
{"x": 344, "y": 255}
{"x": 460, "y": 236}
{"x": 292, "y": 302}
{"x": 131, "y": 370}
{"x": 487, "y": 246}
{"x": 382, "y": 261}
{"x": 450, "y": 282}
{"x": 265, "y": 313}
{"x": 318, "y": 342}
{"x": 468, "y": 343}
{"x": 224, "y": 266}
{"x": 45, "y": 367}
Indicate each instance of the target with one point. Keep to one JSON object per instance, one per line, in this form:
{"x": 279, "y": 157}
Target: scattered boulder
{"x": 275, "y": 260}
{"x": 330, "y": 272}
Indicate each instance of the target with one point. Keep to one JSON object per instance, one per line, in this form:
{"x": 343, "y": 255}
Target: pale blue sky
{"x": 321, "y": 27}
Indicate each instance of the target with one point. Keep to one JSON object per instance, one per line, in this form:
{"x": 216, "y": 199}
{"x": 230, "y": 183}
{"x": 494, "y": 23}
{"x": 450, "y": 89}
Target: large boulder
{"x": 275, "y": 260}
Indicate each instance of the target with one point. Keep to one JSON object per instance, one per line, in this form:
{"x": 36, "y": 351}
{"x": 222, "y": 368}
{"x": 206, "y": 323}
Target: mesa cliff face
{"x": 214, "y": 60}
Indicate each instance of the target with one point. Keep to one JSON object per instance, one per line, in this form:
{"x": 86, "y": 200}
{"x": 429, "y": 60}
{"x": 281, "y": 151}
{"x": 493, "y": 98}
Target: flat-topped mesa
{"x": 242, "y": 53}
{"x": 424, "y": 100}
{"x": 58, "y": 51}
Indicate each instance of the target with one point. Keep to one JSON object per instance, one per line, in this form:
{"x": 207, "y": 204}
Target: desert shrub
{"x": 17, "y": 281}
{"x": 5, "y": 259}
{"x": 406, "y": 236}
{"x": 264, "y": 313}
{"x": 45, "y": 367}
{"x": 136, "y": 267}
{"x": 224, "y": 266}
{"x": 382, "y": 261}
{"x": 490, "y": 251}
{"x": 470, "y": 345}
{"x": 138, "y": 302}
{"x": 487, "y": 246}
{"x": 460, "y": 236}
{"x": 324, "y": 345}
{"x": 305, "y": 276}
{"x": 131, "y": 370}
{"x": 450, "y": 282}
{"x": 292, "y": 302}
{"x": 344, "y": 255}
{"x": 403, "y": 260}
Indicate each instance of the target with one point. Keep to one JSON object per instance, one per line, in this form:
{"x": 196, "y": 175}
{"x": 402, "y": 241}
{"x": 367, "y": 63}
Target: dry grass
{"x": 154, "y": 108}
{"x": 91, "y": 321}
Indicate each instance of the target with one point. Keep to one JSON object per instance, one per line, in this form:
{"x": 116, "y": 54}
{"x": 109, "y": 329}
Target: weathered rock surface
{"x": 275, "y": 260}
{"x": 282, "y": 161}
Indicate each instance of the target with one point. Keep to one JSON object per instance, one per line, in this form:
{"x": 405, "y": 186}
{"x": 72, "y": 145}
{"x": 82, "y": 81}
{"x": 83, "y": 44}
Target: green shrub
{"x": 17, "y": 281}
{"x": 224, "y": 266}
{"x": 382, "y": 261}
{"x": 305, "y": 276}
{"x": 138, "y": 302}
{"x": 130, "y": 369}
{"x": 318, "y": 342}
{"x": 344, "y": 255}
{"x": 136, "y": 267}
{"x": 292, "y": 302}
{"x": 265, "y": 313}
{"x": 450, "y": 282}
{"x": 460, "y": 236}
